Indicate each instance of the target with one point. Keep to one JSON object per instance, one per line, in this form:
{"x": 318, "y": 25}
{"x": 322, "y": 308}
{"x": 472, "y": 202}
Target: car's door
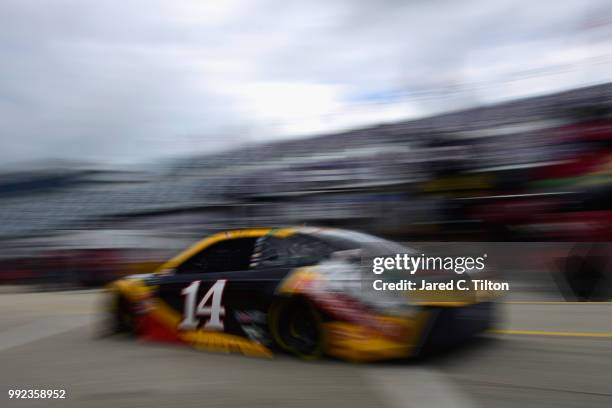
{"x": 200, "y": 289}
{"x": 227, "y": 287}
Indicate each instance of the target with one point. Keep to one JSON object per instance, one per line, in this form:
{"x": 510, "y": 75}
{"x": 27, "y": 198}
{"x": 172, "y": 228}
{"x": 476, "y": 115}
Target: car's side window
{"x": 225, "y": 256}
{"x": 297, "y": 250}
{"x": 268, "y": 253}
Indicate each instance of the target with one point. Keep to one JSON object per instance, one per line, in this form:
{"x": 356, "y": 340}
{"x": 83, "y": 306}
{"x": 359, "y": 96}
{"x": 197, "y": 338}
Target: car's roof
{"x": 340, "y": 238}
{"x": 319, "y": 232}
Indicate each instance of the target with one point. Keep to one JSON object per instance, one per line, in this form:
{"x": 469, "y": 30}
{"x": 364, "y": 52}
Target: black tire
{"x": 296, "y": 327}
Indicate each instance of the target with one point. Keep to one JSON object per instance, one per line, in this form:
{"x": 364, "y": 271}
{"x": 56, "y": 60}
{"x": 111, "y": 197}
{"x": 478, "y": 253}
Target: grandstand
{"x": 246, "y": 185}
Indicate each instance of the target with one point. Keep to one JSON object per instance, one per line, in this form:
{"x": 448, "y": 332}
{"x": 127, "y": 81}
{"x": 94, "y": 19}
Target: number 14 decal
{"x": 215, "y": 311}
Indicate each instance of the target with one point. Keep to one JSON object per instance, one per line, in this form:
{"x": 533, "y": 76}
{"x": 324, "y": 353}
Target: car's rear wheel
{"x": 296, "y": 327}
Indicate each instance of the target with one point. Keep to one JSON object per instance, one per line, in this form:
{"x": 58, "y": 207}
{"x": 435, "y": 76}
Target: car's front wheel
{"x": 296, "y": 327}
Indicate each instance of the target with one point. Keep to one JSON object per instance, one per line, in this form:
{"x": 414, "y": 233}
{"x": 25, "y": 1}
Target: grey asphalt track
{"x": 547, "y": 355}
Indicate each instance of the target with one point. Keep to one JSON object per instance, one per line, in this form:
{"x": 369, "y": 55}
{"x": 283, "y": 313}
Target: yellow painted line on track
{"x": 551, "y": 302}
{"x": 552, "y": 333}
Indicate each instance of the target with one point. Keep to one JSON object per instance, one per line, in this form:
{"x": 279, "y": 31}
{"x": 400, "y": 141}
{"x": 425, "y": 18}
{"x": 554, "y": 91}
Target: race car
{"x": 298, "y": 290}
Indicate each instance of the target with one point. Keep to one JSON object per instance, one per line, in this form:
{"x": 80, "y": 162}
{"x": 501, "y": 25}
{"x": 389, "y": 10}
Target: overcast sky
{"x": 126, "y": 81}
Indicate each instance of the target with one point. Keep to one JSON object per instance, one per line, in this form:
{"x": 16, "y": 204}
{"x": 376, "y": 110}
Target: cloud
{"x": 124, "y": 81}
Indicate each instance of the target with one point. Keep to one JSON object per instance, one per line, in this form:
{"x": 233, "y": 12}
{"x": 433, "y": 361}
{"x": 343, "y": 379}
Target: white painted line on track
{"x": 402, "y": 387}
{"x": 40, "y": 329}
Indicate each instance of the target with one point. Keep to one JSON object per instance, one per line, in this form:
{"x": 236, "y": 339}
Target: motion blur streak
{"x": 132, "y": 130}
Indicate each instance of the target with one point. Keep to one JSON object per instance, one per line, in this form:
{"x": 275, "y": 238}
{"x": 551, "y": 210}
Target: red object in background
{"x": 589, "y": 146}
{"x": 582, "y": 226}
